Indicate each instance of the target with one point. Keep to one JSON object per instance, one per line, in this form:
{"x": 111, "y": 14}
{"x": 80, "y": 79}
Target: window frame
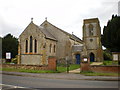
{"x": 26, "y": 46}
{"x": 31, "y": 44}
{"x": 50, "y": 50}
{"x": 35, "y": 45}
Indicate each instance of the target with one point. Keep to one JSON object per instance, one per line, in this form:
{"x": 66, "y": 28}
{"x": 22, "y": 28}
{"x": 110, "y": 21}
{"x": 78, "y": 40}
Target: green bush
{"x": 14, "y": 60}
{"x": 107, "y": 55}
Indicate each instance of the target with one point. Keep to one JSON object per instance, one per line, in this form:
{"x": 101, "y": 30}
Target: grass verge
{"x": 60, "y": 69}
{"x": 98, "y": 74}
{"x": 28, "y": 70}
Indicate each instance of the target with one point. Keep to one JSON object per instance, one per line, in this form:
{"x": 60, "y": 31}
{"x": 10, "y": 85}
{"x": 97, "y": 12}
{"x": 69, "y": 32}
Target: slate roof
{"x": 47, "y": 34}
{"x": 72, "y": 36}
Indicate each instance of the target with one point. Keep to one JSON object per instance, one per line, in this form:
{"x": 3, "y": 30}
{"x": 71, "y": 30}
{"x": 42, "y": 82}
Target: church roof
{"x": 72, "y": 36}
{"x": 47, "y": 34}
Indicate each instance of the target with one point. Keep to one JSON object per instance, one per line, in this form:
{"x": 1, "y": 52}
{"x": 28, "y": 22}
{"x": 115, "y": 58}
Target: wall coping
{"x": 104, "y": 65}
{"x": 24, "y": 65}
{"x": 51, "y": 57}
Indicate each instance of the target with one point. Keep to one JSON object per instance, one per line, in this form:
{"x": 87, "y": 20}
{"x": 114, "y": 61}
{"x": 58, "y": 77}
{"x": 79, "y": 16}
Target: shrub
{"x": 14, "y": 60}
{"x": 107, "y": 55}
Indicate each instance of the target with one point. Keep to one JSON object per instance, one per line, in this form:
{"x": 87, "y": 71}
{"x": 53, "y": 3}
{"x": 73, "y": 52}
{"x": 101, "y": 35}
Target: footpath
{"x": 68, "y": 76}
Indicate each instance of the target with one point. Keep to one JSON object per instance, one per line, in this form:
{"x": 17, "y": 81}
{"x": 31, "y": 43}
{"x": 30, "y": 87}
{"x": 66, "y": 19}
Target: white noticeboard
{"x": 115, "y": 57}
{"x": 85, "y": 59}
{"x": 8, "y": 55}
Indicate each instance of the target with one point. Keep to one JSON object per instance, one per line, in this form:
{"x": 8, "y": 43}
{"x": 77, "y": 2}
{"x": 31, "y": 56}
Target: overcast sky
{"x": 68, "y": 15}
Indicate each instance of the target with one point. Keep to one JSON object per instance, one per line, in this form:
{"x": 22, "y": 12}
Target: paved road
{"x": 69, "y": 76}
{"x": 37, "y": 82}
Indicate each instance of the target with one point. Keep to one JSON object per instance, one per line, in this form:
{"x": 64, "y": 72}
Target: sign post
{"x": 116, "y": 57}
{"x": 67, "y": 63}
{"x": 8, "y": 56}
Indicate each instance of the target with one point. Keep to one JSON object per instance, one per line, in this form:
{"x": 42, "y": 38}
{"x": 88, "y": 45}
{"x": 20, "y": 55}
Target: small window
{"x": 35, "y": 46}
{"x": 91, "y": 40}
{"x": 44, "y": 46}
{"x": 26, "y": 46}
{"x": 54, "y": 48}
{"x": 31, "y": 44}
{"x": 50, "y": 48}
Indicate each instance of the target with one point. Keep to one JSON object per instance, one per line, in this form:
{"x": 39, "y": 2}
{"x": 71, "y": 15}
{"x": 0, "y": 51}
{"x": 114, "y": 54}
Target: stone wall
{"x": 100, "y": 68}
{"x": 105, "y": 69}
{"x": 51, "y": 65}
{"x": 85, "y": 67}
{"x": 31, "y": 59}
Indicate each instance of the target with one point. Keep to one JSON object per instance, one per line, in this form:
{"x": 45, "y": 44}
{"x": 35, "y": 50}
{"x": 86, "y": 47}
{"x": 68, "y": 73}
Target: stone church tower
{"x": 92, "y": 39}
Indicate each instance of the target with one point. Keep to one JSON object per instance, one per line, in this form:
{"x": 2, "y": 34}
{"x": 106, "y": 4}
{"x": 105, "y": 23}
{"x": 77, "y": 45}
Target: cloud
{"x": 6, "y": 28}
{"x": 66, "y": 14}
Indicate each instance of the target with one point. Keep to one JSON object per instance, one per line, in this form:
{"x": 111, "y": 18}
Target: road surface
{"x": 37, "y": 82}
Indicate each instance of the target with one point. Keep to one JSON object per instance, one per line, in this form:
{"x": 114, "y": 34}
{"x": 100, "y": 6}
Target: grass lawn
{"x": 98, "y": 74}
{"x": 110, "y": 63}
{"x": 63, "y": 68}
{"x": 59, "y": 69}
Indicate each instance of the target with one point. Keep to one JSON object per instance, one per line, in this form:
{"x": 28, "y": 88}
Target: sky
{"x": 67, "y": 15}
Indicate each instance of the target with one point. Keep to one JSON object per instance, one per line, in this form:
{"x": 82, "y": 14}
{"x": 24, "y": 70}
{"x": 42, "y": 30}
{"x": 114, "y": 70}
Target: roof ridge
{"x": 50, "y": 33}
{"x": 56, "y": 27}
{"x": 41, "y": 27}
{"x": 62, "y": 30}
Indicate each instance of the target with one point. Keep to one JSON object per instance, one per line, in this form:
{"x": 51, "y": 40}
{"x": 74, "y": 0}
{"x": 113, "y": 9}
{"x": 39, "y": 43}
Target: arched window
{"x": 50, "y": 48}
{"x": 26, "y": 46}
{"x": 44, "y": 46}
{"x": 31, "y": 43}
{"x": 35, "y": 46}
{"x": 54, "y": 49}
{"x": 91, "y": 30}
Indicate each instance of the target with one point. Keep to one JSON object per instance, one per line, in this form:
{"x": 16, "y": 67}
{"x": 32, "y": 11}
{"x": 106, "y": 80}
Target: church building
{"x": 39, "y": 42}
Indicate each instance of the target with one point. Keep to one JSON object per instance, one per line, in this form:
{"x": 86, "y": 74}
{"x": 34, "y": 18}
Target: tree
{"x": 9, "y": 44}
{"x": 111, "y": 34}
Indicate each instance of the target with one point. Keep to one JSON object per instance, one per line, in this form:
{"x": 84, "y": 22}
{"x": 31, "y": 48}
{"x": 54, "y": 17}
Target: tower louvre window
{"x": 91, "y": 30}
